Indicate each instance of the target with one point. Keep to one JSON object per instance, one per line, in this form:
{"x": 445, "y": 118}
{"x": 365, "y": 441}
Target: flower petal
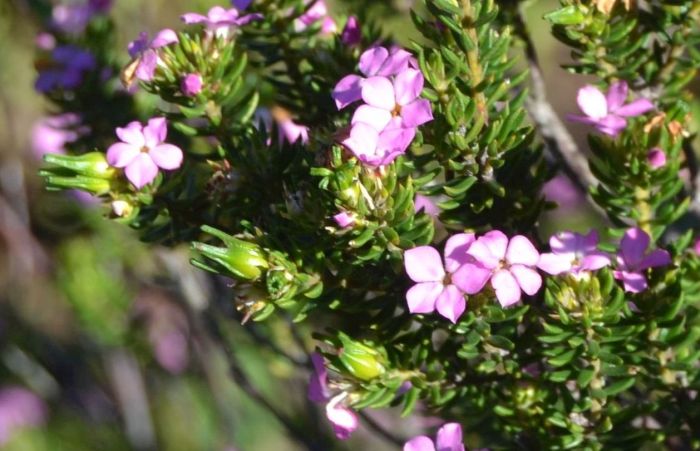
{"x": 394, "y": 141}
{"x": 120, "y": 155}
{"x": 565, "y": 243}
{"x": 421, "y": 297}
{"x": 417, "y": 113}
{"x": 589, "y": 242}
{"x": 193, "y": 18}
{"x": 617, "y": 94}
{"x": 318, "y": 387}
{"x": 522, "y": 251}
{"x": 419, "y": 443}
{"x": 594, "y": 261}
{"x": 634, "y": 282}
{"x": 155, "y": 132}
{"x": 656, "y": 258}
{"x": 408, "y": 85}
{"x": 451, "y": 303}
{"x": 141, "y": 171}
{"x": 378, "y": 118}
{"x": 423, "y": 264}
{"x": 507, "y": 288}
{"x": 347, "y": 91}
{"x": 592, "y": 102}
{"x": 164, "y": 37}
{"x": 633, "y": 246}
{"x": 166, "y": 156}
{"x": 471, "y": 277}
{"x": 372, "y": 59}
{"x": 611, "y": 125}
{"x": 449, "y": 438}
{"x": 554, "y": 264}
{"x": 456, "y": 250}
{"x": 344, "y": 420}
{"x": 363, "y": 142}
{"x": 132, "y": 134}
{"x": 398, "y": 60}
{"x": 378, "y": 92}
{"x": 635, "y": 108}
{"x": 529, "y": 280}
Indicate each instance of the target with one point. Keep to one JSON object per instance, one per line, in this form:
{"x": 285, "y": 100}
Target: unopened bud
{"x": 93, "y": 164}
{"x": 242, "y": 259}
{"x": 360, "y": 360}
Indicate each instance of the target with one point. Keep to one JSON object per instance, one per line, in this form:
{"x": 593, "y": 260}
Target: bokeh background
{"x": 106, "y": 344}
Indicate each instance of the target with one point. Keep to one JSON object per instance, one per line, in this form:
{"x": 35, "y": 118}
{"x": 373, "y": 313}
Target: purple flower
{"x": 696, "y": 247}
{"x": 143, "y": 150}
{"x": 656, "y": 158}
{"x": 607, "y": 113}
{"x": 74, "y": 17}
{"x": 344, "y": 219}
{"x": 377, "y": 61}
{"x": 449, "y": 438}
{"x": 66, "y": 70}
{"x": 343, "y": 419}
{"x": 19, "y": 408}
{"x": 352, "y": 33}
{"x": 633, "y": 260}
{"x": 573, "y": 253}
{"x": 51, "y": 134}
{"x": 437, "y": 287}
{"x": 316, "y": 12}
{"x": 220, "y": 21}
{"x": 145, "y": 52}
{"x": 171, "y": 351}
{"x": 509, "y": 264}
{"x": 241, "y": 4}
{"x": 191, "y": 85}
{"x": 292, "y": 132}
{"x": 45, "y": 41}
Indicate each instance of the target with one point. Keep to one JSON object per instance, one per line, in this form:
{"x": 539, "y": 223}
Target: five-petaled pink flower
{"x": 573, "y": 253}
{"x": 437, "y": 287}
{"x": 220, "y": 21}
{"x": 509, "y": 264}
{"x": 607, "y": 113}
{"x": 343, "y": 419}
{"x": 449, "y": 438}
{"x": 633, "y": 260}
{"x": 143, "y": 150}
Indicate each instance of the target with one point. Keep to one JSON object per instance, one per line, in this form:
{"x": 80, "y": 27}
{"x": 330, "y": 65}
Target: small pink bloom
{"x": 343, "y": 419}
{"x": 292, "y": 132}
{"x": 143, "y": 150}
{"x": 607, "y": 113}
{"x": 318, "y": 384}
{"x": 316, "y": 12}
{"x": 191, "y": 84}
{"x": 437, "y": 286}
{"x": 344, "y": 219}
{"x": 449, "y": 438}
{"x": 656, "y": 158}
{"x": 573, "y": 253}
{"x": 352, "y": 33}
{"x": 696, "y": 247}
{"x": 45, "y": 41}
{"x": 328, "y": 26}
{"x": 146, "y": 53}
{"x": 19, "y": 408}
{"x": 509, "y": 264}
{"x": 51, "y": 134}
{"x": 220, "y": 21}
{"x": 633, "y": 260}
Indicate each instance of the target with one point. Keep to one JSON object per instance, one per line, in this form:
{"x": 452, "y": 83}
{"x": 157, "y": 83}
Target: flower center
{"x": 447, "y": 280}
{"x": 144, "y": 149}
{"x": 396, "y": 111}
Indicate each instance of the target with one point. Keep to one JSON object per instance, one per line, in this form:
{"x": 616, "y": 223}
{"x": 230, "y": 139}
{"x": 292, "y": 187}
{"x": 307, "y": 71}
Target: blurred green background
{"x": 128, "y": 347}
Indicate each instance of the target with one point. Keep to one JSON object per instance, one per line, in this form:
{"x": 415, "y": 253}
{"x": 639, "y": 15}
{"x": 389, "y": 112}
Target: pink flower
{"x": 191, "y": 85}
{"x": 316, "y": 12}
{"x": 509, "y": 264}
{"x": 656, "y": 158}
{"x": 343, "y": 419}
{"x": 379, "y": 148}
{"x": 220, "y": 21}
{"x": 352, "y": 33}
{"x": 143, "y": 150}
{"x": 573, "y": 253}
{"x": 19, "y": 408}
{"x": 292, "y": 132}
{"x": 449, "y": 438}
{"x": 633, "y": 260}
{"x": 51, "y": 134}
{"x": 344, "y": 219}
{"x": 377, "y": 61}
{"x": 696, "y": 247}
{"x": 145, "y": 52}
{"x": 607, "y": 113}
{"x": 437, "y": 287}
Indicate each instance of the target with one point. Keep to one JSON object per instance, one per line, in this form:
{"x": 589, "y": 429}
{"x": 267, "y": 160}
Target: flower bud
{"x": 191, "y": 85}
{"x": 352, "y": 34}
{"x": 93, "y": 164}
{"x": 122, "y": 208}
{"x": 90, "y": 184}
{"x": 360, "y": 360}
{"x": 656, "y": 158}
{"x": 242, "y": 259}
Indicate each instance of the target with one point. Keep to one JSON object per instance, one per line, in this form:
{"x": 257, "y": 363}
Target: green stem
{"x": 477, "y": 72}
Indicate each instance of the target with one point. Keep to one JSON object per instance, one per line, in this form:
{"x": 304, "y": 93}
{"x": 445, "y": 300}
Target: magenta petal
{"x": 635, "y": 108}
{"x": 417, "y": 113}
{"x": 363, "y": 141}
{"x": 617, "y": 94}
{"x": 132, "y": 134}
{"x": 146, "y": 69}
{"x": 522, "y": 251}
{"x": 166, "y": 156}
{"x": 589, "y": 242}
{"x": 372, "y": 59}
{"x": 554, "y": 264}
{"x": 529, "y": 280}
{"x": 449, "y": 438}
{"x": 592, "y": 102}
{"x": 419, "y": 443}
{"x": 344, "y": 420}
{"x": 495, "y": 242}
{"x": 193, "y": 18}
{"x": 634, "y": 282}
{"x": 318, "y": 388}
{"x": 656, "y": 258}
{"x": 347, "y": 91}
{"x": 581, "y": 119}
{"x": 398, "y": 61}
{"x": 507, "y": 288}
{"x": 611, "y": 125}
{"x": 163, "y": 38}
{"x": 471, "y": 277}
{"x": 141, "y": 171}
{"x": 567, "y": 243}
{"x": 423, "y": 264}
{"x": 594, "y": 261}
{"x": 633, "y": 246}
{"x": 394, "y": 142}
{"x": 451, "y": 303}
{"x": 378, "y": 118}
{"x": 456, "y": 250}
{"x": 408, "y": 85}
{"x": 120, "y": 155}
{"x": 155, "y": 132}
{"x": 421, "y": 297}
{"x": 378, "y": 92}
